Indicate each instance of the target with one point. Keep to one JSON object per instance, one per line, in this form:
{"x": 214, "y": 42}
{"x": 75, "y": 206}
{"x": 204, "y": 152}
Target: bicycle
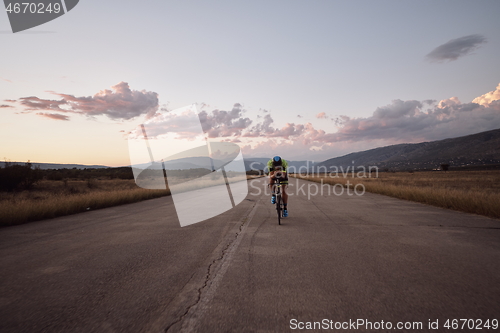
{"x": 279, "y": 204}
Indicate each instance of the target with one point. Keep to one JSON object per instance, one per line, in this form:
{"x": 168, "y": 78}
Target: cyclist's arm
{"x": 270, "y": 168}
{"x": 285, "y": 166}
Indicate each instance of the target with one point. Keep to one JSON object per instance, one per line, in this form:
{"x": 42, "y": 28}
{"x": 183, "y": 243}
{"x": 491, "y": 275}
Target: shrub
{"x": 445, "y": 166}
{"x": 13, "y": 176}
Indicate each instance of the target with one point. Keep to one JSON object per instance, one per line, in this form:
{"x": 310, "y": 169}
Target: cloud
{"x": 5, "y": 106}
{"x": 224, "y": 123}
{"x": 411, "y": 121}
{"x": 398, "y": 122}
{"x": 488, "y": 98}
{"x": 185, "y": 125}
{"x": 7, "y": 80}
{"x": 339, "y": 121}
{"x": 231, "y": 125}
{"x": 54, "y": 116}
{"x": 397, "y": 109}
{"x": 456, "y": 48}
{"x": 118, "y": 103}
{"x": 35, "y": 103}
{"x": 401, "y": 121}
{"x": 452, "y": 101}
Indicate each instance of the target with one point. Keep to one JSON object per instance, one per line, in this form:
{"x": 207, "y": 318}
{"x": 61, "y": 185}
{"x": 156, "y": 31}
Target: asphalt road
{"x": 336, "y": 258}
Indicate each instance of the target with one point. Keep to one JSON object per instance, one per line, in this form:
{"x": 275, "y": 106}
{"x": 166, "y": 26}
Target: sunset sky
{"x": 303, "y": 79}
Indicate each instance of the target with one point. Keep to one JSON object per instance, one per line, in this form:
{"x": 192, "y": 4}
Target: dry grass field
{"x": 57, "y": 198}
{"x": 476, "y": 192}
{"x": 53, "y": 198}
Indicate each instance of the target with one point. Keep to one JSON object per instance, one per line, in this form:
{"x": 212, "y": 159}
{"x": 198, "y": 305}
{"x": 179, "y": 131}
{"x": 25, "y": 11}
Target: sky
{"x": 301, "y": 79}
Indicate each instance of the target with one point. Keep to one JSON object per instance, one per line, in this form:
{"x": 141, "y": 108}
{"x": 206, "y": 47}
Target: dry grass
{"x": 57, "y": 198}
{"x": 476, "y": 192}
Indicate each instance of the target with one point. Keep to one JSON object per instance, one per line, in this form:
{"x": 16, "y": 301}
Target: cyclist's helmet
{"x": 276, "y": 160}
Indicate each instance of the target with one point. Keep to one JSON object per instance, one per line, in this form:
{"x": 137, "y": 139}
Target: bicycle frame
{"x": 277, "y": 192}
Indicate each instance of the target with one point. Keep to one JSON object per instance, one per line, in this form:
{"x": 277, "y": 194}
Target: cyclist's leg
{"x": 284, "y": 181}
{"x": 284, "y": 194}
{"x": 271, "y": 181}
{"x": 285, "y": 200}
{"x": 271, "y": 184}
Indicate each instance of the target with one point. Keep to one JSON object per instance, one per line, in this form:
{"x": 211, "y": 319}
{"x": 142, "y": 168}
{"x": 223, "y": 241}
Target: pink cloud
{"x": 216, "y": 124}
{"x": 35, "y": 103}
{"x": 489, "y": 97}
{"x": 400, "y": 121}
{"x": 224, "y": 123}
{"x": 54, "y": 116}
{"x": 118, "y": 103}
{"x": 452, "y": 101}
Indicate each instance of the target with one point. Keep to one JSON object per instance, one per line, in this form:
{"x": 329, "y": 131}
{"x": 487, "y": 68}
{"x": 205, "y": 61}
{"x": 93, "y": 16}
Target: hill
{"x": 46, "y": 166}
{"x": 259, "y": 163}
{"x": 466, "y": 151}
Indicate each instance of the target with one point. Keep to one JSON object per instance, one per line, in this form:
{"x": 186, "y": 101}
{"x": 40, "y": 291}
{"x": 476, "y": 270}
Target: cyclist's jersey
{"x": 284, "y": 164}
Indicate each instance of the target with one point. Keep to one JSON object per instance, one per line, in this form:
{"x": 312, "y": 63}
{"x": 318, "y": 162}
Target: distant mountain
{"x": 187, "y": 163}
{"x": 259, "y": 163}
{"x": 45, "y": 166}
{"x": 178, "y": 164}
{"x": 254, "y": 164}
{"x": 471, "y": 150}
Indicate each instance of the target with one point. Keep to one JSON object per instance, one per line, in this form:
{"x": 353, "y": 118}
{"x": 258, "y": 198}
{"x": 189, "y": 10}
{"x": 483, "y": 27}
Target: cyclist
{"x": 278, "y": 168}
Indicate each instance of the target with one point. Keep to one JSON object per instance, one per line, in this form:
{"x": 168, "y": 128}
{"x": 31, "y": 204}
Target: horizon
{"x": 337, "y": 81}
{"x": 248, "y": 158}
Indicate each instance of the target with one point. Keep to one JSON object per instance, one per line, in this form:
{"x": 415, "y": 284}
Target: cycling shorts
{"x": 283, "y": 179}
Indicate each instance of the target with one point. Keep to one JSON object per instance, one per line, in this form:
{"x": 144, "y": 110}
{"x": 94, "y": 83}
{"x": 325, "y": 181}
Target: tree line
{"x": 18, "y": 176}
{"x": 14, "y": 176}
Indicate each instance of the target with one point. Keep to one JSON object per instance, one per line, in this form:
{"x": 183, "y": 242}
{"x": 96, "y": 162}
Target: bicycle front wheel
{"x": 278, "y": 207}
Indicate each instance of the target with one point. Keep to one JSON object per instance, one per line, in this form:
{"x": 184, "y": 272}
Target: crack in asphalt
{"x": 214, "y": 270}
